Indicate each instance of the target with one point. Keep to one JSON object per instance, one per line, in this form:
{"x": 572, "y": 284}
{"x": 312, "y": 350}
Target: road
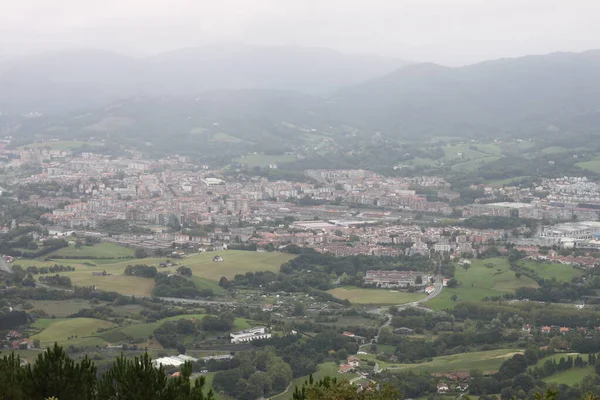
{"x": 438, "y": 287}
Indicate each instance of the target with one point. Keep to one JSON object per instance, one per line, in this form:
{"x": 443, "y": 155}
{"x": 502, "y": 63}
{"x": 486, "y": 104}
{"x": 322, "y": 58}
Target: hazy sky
{"x": 445, "y": 31}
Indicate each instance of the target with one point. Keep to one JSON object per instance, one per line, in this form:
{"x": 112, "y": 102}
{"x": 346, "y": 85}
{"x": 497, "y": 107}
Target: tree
{"x": 331, "y": 389}
{"x": 141, "y": 253}
{"x": 181, "y": 348}
{"x": 224, "y": 282}
{"x": 518, "y": 275}
{"x": 299, "y": 309}
{"x": 184, "y": 271}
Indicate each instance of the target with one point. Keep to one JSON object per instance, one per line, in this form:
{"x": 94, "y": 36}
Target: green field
{"x": 323, "y": 370}
{"x": 374, "y": 296}
{"x": 570, "y": 376}
{"x": 60, "y": 330}
{"x": 263, "y": 160}
{"x": 60, "y": 145}
{"x": 593, "y": 165}
{"x": 485, "y": 361}
{"x": 480, "y": 281}
{"x": 108, "y": 250}
{"x": 60, "y": 308}
{"x": 508, "y": 181}
{"x": 206, "y": 273}
{"x": 472, "y": 165}
{"x": 549, "y": 270}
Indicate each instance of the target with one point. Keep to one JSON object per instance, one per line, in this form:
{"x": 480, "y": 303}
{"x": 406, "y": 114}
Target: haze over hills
{"x": 76, "y": 79}
{"x": 522, "y": 96}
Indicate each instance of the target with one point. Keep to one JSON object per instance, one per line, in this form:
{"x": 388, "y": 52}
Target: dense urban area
{"x": 257, "y": 278}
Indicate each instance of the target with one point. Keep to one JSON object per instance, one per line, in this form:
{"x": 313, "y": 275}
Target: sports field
{"x": 375, "y": 296}
{"x": 485, "y": 278}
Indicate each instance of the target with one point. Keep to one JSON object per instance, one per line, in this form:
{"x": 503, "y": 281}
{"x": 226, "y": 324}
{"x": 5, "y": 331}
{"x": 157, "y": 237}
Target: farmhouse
{"x": 345, "y": 368}
{"x": 249, "y": 335}
{"x": 390, "y": 279}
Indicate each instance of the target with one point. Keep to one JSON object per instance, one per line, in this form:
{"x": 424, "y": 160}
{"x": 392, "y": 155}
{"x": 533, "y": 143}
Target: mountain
{"x": 508, "y": 95}
{"x": 76, "y": 79}
{"x": 555, "y": 95}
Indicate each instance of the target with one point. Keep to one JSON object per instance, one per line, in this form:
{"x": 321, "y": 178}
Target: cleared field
{"x": 108, "y": 250}
{"x": 323, "y": 370}
{"x": 472, "y": 165}
{"x": 60, "y": 331}
{"x": 486, "y": 361}
{"x": 263, "y": 160}
{"x": 593, "y": 165}
{"x": 374, "y": 296}
{"x": 206, "y": 272}
{"x": 549, "y": 270}
{"x": 570, "y": 376}
{"x": 60, "y": 145}
{"x": 59, "y": 308}
{"x": 480, "y": 281}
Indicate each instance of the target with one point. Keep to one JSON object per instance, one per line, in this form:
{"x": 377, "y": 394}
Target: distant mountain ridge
{"x": 76, "y": 79}
{"x": 556, "y": 94}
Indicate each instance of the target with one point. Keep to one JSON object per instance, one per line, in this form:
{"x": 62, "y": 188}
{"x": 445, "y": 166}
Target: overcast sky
{"x": 451, "y": 32}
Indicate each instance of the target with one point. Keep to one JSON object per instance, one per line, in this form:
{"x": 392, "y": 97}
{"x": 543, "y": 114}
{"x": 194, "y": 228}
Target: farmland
{"x": 374, "y": 296}
{"x": 549, "y": 270}
{"x": 100, "y": 250}
{"x": 570, "y": 377}
{"x": 485, "y": 278}
{"x": 488, "y": 361}
{"x": 206, "y": 273}
{"x": 80, "y": 330}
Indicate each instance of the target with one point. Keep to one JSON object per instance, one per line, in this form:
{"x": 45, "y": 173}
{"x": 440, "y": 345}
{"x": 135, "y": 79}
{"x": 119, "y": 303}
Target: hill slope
{"x": 76, "y": 79}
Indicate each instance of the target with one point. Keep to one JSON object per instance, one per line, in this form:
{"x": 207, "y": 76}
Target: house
{"x": 217, "y": 259}
{"x": 443, "y": 388}
{"x": 546, "y": 329}
{"x": 24, "y": 344}
{"x": 527, "y": 328}
{"x": 403, "y": 331}
{"x": 13, "y": 335}
{"x": 353, "y": 361}
{"x": 248, "y": 335}
{"x": 394, "y": 358}
{"x": 462, "y": 386}
{"x": 345, "y": 368}
{"x": 564, "y": 330}
{"x": 429, "y": 289}
{"x": 349, "y": 334}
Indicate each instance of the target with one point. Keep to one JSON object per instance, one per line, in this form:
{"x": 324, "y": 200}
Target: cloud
{"x": 446, "y": 31}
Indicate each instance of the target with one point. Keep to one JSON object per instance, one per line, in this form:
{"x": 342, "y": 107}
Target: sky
{"x": 450, "y": 32}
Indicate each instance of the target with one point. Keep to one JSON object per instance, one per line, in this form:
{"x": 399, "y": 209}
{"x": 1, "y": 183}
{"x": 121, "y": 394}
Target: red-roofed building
{"x": 345, "y": 368}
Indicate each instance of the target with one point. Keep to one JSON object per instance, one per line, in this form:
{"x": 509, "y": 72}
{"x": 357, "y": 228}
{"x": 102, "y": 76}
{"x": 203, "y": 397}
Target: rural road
{"x": 438, "y": 287}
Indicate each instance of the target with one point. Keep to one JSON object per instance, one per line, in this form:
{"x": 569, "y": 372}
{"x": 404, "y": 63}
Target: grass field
{"x": 323, "y": 370}
{"x": 480, "y": 281}
{"x": 570, "y": 376}
{"x": 472, "y": 165}
{"x": 263, "y": 160}
{"x": 108, "y": 250}
{"x": 60, "y": 145}
{"x": 508, "y": 181}
{"x": 206, "y": 273}
{"x": 593, "y": 165}
{"x": 374, "y": 296}
{"x": 485, "y": 361}
{"x": 548, "y": 270}
{"x": 60, "y": 308}
{"x": 60, "y": 330}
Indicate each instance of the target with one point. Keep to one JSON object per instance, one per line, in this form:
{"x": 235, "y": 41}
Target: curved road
{"x": 438, "y": 287}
